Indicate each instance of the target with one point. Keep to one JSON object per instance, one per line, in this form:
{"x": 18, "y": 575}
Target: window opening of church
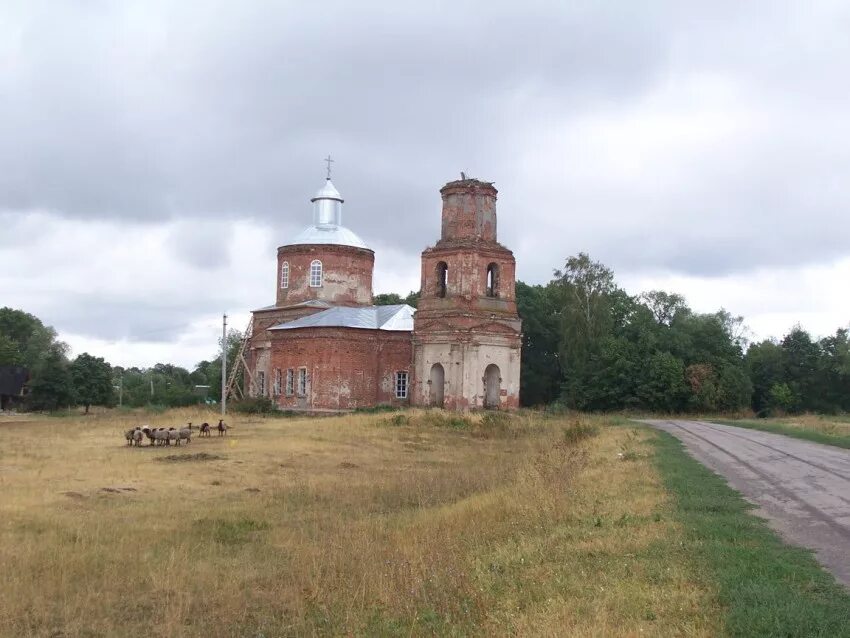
{"x": 401, "y": 384}
{"x": 290, "y": 382}
{"x": 442, "y": 278}
{"x": 302, "y": 382}
{"x": 493, "y": 280}
{"x": 316, "y": 274}
{"x": 277, "y": 380}
{"x": 261, "y": 384}
{"x": 284, "y": 275}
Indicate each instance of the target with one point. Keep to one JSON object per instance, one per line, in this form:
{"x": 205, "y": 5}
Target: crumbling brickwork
{"x": 464, "y": 349}
{"x": 346, "y": 368}
{"x": 346, "y": 274}
{"x": 466, "y": 336}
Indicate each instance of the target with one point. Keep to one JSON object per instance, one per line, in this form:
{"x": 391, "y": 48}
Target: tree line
{"x": 589, "y": 345}
{"x": 57, "y": 381}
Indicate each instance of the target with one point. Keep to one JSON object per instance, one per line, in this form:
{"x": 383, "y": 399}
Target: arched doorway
{"x": 438, "y": 382}
{"x": 492, "y": 386}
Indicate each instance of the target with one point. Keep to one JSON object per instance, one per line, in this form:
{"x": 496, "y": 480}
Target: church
{"x": 324, "y": 346}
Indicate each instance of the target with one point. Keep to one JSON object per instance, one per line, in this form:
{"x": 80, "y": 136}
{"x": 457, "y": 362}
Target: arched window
{"x": 284, "y": 275}
{"x": 315, "y": 274}
{"x": 442, "y": 278}
{"x": 493, "y": 280}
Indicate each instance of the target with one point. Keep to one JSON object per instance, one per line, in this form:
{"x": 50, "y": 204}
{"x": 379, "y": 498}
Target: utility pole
{"x": 224, "y": 365}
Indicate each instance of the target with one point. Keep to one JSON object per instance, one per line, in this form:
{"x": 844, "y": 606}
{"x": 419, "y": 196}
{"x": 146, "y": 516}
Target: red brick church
{"x": 323, "y": 346}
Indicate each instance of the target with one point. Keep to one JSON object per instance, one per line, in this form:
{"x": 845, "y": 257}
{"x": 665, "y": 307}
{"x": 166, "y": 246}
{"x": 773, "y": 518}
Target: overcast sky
{"x": 153, "y": 154}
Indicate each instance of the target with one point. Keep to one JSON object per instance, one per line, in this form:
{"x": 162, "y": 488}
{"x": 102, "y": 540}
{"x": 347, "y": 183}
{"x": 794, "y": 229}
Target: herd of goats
{"x": 162, "y": 436}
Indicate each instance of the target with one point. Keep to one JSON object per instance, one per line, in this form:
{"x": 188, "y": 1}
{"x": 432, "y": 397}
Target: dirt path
{"x": 802, "y": 488}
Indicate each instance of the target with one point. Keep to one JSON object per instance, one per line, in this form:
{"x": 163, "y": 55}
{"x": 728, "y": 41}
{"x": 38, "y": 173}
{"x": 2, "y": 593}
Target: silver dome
{"x": 327, "y": 225}
{"x": 328, "y": 234}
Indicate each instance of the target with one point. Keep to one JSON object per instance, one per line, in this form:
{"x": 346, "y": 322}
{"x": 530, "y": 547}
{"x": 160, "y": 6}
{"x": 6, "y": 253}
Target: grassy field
{"x": 382, "y": 525}
{"x": 831, "y": 430}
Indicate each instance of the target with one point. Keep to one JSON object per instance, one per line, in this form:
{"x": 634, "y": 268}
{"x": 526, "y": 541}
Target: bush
{"x": 399, "y": 419}
{"x": 439, "y": 419}
{"x": 375, "y": 409}
{"x": 254, "y": 405}
{"x": 579, "y": 430}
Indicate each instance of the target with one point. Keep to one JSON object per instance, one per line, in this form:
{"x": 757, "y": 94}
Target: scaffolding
{"x": 234, "y": 389}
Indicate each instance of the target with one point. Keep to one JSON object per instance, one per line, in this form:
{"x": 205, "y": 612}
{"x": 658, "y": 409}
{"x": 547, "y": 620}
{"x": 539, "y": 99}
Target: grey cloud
{"x": 220, "y": 111}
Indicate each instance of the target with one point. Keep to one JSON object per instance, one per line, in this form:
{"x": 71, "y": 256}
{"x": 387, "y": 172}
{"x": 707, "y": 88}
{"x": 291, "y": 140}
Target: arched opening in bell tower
{"x": 442, "y": 278}
{"x": 493, "y": 280}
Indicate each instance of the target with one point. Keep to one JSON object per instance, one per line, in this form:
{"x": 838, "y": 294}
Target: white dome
{"x": 327, "y": 225}
{"x": 339, "y": 235}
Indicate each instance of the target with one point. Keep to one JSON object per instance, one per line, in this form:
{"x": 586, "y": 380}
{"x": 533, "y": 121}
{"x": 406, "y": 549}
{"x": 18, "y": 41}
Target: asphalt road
{"x": 802, "y": 488}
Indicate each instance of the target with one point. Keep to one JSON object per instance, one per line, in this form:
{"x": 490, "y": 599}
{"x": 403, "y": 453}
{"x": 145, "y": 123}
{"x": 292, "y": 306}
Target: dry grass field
{"x": 415, "y": 523}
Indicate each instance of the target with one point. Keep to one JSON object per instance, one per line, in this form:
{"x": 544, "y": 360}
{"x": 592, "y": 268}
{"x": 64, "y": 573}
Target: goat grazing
{"x": 204, "y": 429}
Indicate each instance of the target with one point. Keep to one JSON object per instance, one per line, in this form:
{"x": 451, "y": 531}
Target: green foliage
{"x": 391, "y": 299}
{"x": 376, "y": 409}
{"x": 781, "y": 398}
{"x": 253, "y": 405}
{"x": 10, "y": 354}
{"x": 92, "y": 380}
{"x": 27, "y": 342}
{"x": 53, "y": 388}
{"x": 608, "y": 350}
{"x": 540, "y": 381}
{"x": 578, "y": 431}
{"x": 799, "y": 374}
{"x": 663, "y": 388}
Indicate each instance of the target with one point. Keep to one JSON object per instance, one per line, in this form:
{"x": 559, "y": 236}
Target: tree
{"x": 801, "y": 359}
{"x": 10, "y": 354}
{"x": 584, "y": 290}
{"x": 663, "y": 305}
{"x": 766, "y": 369}
{"x": 540, "y": 380}
{"x": 392, "y": 298}
{"x": 780, "y": 398}
{"x": 26, "y": 341}
{"x": 663, "y": 387}
{"x": 53, "y": 388}
{"x": 91, "y": 378}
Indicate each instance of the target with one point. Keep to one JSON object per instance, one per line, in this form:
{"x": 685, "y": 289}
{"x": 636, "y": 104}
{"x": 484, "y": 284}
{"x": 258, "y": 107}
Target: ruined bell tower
{"x": 466, "y": 334}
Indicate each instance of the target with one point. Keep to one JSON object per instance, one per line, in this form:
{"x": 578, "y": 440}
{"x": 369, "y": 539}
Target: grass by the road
{"x": 762, "y": 586}
{"x": 810, "y": 427}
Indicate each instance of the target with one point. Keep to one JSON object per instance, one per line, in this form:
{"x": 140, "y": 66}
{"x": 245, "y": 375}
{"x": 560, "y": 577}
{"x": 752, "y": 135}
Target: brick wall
{"x": 346, "y": 367}
{"x": 346, "y": 274}
{"x": 469, "y": 210}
